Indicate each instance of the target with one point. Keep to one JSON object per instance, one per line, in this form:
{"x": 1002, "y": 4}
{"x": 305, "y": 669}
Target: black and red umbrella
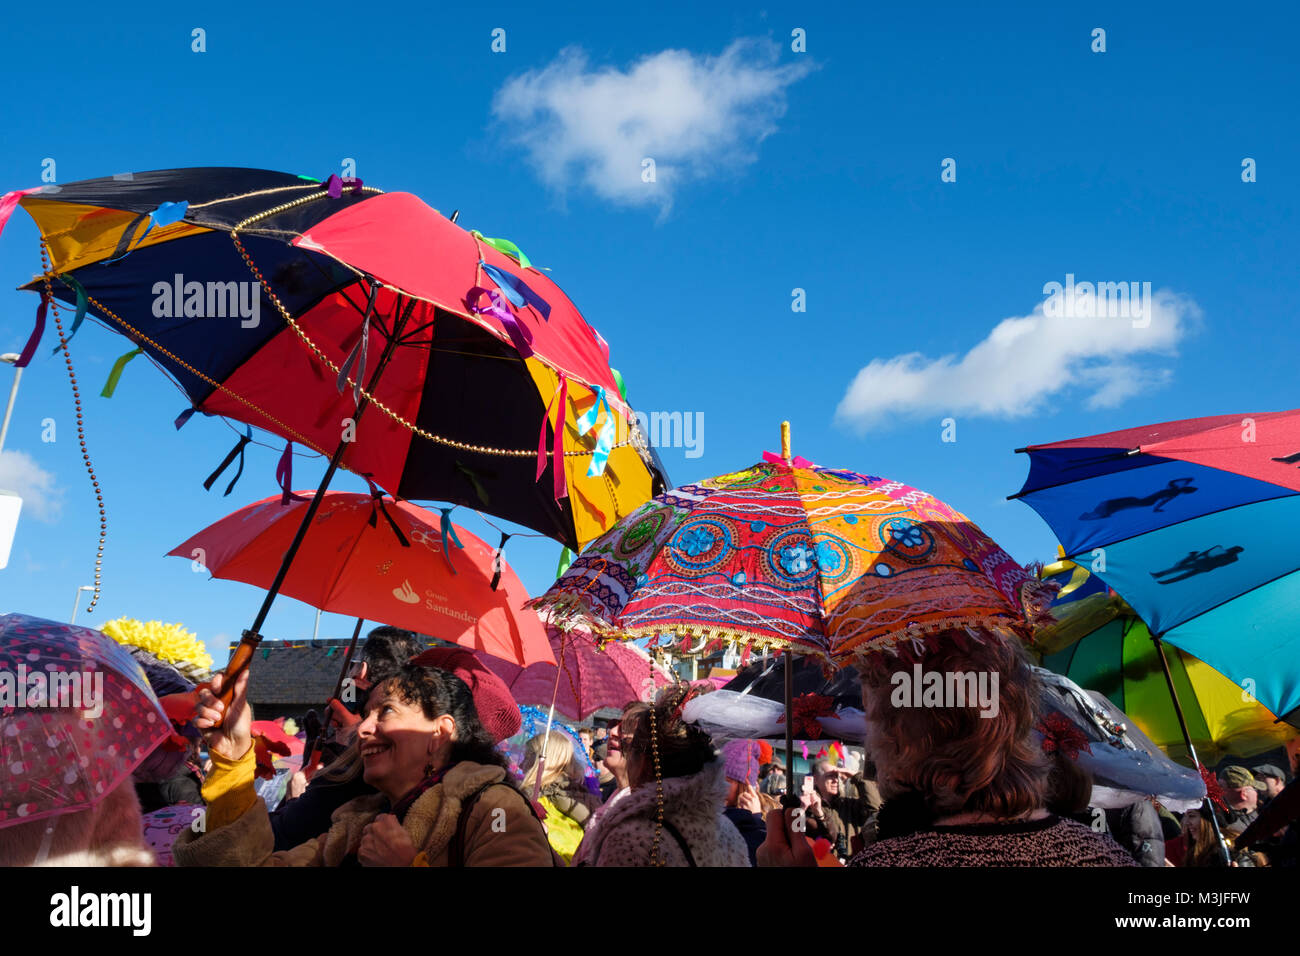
{"x": 293, "y": 305}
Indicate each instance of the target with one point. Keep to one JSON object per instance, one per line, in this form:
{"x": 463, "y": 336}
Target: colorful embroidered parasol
{"x": 789, "y": 555}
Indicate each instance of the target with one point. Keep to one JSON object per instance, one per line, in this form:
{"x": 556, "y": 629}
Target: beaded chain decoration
{"x": 324, "y": 359}
{"x": 81, "y": 430}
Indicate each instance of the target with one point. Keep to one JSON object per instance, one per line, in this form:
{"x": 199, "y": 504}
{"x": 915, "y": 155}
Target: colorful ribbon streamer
{"x": 520, "y": 336}
{"x": 377, "y": 506}
{"x": 166, "y": 214}
{"x": 498, "y": 560}
{"x": 334, "y": 186}
{"x": 359, "y": 351}
{"x": 566, "y": 558}
{"x": 237, "y": 451}
{"x": 505, "y": 247}
{"x": 449, "y": 531}
{"x": 284, "y": 476}
{"x": 9, "y": 202}
{"x": 34, "y": 339}
{"x": 77, "y": 319}
{"x": 516, "y": 290}
{"x": 618, "y": 380}
{"x": 797, "y": 461}
{"x": 557, "y": 444}
{"x": 605, "y": 440}
{"x": 111, "y": 385}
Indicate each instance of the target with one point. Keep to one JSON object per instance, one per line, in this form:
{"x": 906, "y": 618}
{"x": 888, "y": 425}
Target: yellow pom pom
{"x": 167, "y": 642}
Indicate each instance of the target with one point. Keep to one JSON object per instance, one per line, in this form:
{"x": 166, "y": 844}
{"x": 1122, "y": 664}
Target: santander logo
{"x": 406, "y": 593}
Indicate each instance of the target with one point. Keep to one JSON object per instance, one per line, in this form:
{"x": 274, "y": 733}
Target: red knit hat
{"x": 497, "y": 710}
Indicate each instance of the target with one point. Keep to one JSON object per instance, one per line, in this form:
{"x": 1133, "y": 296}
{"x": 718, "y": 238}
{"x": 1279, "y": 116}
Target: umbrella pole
{"x": 550, "y": 716}
{"x": 252, "y": 637}
{"x": 313, "y": 750}
{"x": 789, "y": 801}
{"x": 1187, "y": 738}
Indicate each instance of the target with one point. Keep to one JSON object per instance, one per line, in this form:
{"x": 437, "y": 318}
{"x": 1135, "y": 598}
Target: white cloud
{"x": 20, "y": 474}
{"x": 1023, "y": 362}
{"x": 695, "y": 116}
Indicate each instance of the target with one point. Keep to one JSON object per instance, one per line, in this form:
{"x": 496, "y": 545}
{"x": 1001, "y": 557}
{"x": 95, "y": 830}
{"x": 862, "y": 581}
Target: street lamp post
{"x": 10, "y": 358}
{"x": 77, "y": 600}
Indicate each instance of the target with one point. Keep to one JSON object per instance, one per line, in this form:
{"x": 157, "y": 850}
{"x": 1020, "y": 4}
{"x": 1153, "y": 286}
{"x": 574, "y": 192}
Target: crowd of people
{"x": 413, "y": 774}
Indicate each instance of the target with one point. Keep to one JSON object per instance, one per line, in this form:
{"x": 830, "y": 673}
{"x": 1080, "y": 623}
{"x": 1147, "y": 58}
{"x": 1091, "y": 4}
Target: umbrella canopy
{"x": 585, "y": 678}
{"x": 1126, "y": 767}
{"x": 536, "y": 722}
{"x": 264, "y": 294}
{"x": 372, "y": 557}
{"x": 76, "y": 718}
{"x": 789, "y": 555}
{"x": 1193, "y": 523}
{"x": 1120, "y": 661}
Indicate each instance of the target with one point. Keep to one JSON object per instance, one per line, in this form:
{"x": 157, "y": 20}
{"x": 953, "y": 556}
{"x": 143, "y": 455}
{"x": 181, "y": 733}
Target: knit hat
{"x": 1237, "y": 776}
{"x": 741, "y": 760}
{"x": 497, "y": 710}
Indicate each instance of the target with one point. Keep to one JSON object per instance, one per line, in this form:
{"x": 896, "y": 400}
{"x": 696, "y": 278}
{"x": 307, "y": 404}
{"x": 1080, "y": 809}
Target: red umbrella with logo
{"x": 371, "y": 557}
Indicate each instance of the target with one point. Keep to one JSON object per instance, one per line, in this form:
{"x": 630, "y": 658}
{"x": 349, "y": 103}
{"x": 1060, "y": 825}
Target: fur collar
{"x": 430, "y": 822}
{"x": 701, "y": 795}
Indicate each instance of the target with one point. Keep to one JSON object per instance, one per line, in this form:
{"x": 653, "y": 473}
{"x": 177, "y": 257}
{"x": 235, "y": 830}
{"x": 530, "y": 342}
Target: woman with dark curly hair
{"x": 445, "y": 796}
{"x": 671, "y": 764}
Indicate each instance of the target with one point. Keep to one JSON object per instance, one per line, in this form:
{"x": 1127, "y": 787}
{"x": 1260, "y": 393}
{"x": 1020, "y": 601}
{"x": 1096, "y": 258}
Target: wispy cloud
{"x": 21, "y": 475}
{"x": 696, "y": 116}
{"x": 1022, "y": 363}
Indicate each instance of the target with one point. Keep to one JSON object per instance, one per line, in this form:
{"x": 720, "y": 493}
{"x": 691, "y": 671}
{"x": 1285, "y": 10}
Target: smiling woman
{"x": 445, "y": 797}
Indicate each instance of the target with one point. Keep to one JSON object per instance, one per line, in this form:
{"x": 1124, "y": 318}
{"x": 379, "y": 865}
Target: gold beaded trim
{"x": 81, "y": 429}
{"x": 374, "y": 400}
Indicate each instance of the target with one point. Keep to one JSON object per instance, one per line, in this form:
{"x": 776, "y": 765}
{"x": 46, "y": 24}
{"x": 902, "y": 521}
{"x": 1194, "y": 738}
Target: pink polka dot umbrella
{"x": 76, "y": 718}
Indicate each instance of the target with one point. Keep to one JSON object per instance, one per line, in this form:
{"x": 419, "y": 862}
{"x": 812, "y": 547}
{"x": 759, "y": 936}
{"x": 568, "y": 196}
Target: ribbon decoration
{"x": 449, "y": 531}
{"x": 516, "y": 290}
{"x": 166, "y": 214}
{"x": 505, "y": 247}
{"x": 557, "y": 444}
{"x": 111, "y": 385}
{"x": 1060, "y": 734}
{"x": 498, "y": 560}
{"x": 798, "y": 461}
{"x": 618, "y": 380}
{"x": 520, "y": 337}
{"x": 238, "y": 450}
{"x": 35, "y": 338}
{"x": 566, "y": 558}
{"x": 284, "y": 476}
{"x": 376, "y": 507}
{"x": 9, "y": 202}
{"x": 358, "y": 353}
{"x": 334, "y": 186}
{"x": 184, "y": 417}
{"x": 77, "y": 319}
{"x": 605, "y": 440}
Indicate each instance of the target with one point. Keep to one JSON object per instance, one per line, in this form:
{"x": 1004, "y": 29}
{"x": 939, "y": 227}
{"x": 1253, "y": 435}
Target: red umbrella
{"x": 586, "y": 679}
{"x": 384, "y": 560}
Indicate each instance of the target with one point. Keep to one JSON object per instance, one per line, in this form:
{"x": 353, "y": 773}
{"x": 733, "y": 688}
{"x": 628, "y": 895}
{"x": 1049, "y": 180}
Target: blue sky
{"x": 777, "y": 170}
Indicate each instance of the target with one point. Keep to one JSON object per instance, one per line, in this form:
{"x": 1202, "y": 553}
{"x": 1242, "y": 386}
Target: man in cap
{"x": 1274, "y": 780}
{"x": 1241, "y": 792}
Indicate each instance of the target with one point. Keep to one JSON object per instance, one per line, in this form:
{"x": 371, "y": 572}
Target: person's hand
{"x": 385, "y": 843}
{"x": 747, "y": 799}
{"x": 297, "y": 784}
{"x": 812, "y": 801}
{"x": 228, "y": 734}
{"x": 784, "y": 846}
{"x": 340, "y": 715}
